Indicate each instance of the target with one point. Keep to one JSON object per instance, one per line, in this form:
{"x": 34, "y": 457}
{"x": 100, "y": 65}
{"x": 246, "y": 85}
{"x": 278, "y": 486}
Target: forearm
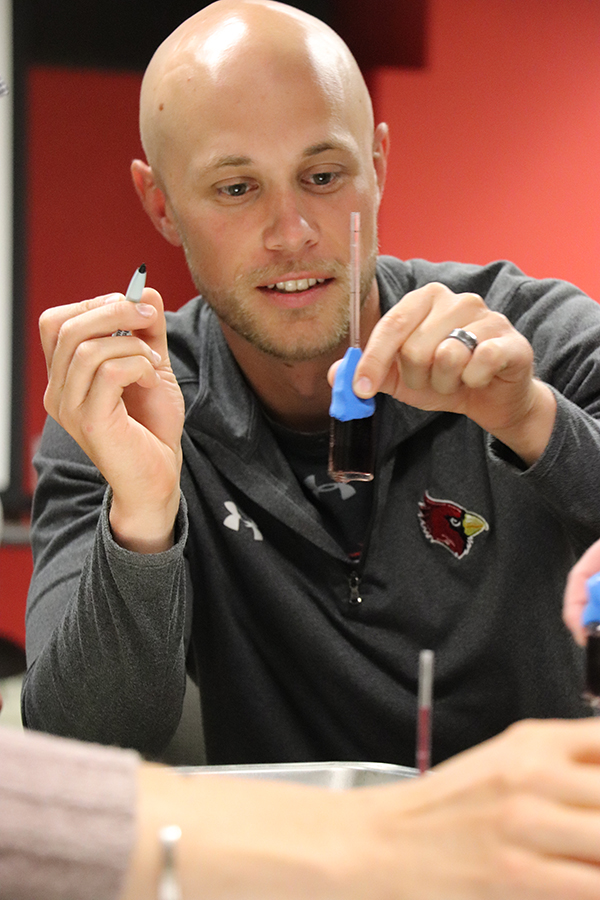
{"x": 68, "y": 818}
{"x": 112, "y": 667}
{"x": 489, "y": 823}
{"x": 529, "y": 436}
{"x": 146, "y": 523}
{"x": 257, "y": 839}
{"x": 565, "y": 475}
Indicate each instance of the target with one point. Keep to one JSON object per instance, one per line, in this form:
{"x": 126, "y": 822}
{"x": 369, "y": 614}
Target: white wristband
{"x": 168, "y": 885}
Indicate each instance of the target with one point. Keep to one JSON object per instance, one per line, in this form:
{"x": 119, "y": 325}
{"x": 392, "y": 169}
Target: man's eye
{"x": 236, "y": 190}
{"x": 323, "y": 178}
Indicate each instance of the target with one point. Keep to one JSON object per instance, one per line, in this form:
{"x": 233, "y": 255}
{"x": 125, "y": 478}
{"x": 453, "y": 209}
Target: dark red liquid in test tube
{"x": 592, "y": 666}
{"x": 591, "y": 623}
{"x": 424, "y": 711}
{"x": 352, "y": 450}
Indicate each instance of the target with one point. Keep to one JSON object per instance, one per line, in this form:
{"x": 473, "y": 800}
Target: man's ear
{"x": 381, "y": 149}
{"x": 154, "y": 201}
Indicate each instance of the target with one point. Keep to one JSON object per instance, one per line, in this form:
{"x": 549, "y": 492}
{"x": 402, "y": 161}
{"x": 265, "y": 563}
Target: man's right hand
{"x": 119, "y": 399}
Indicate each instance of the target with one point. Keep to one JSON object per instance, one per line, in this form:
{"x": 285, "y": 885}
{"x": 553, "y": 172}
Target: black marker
{"x": 134, "y": 292}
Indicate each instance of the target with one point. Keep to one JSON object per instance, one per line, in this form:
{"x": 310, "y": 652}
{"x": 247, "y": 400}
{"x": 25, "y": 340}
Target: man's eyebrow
{"x": 326, "y": 145}
{"x": 223, "y": 161}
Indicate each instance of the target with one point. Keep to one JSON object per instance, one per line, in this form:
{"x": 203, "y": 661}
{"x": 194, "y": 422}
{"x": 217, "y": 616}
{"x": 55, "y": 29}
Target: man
{"x": 299, "y": 606}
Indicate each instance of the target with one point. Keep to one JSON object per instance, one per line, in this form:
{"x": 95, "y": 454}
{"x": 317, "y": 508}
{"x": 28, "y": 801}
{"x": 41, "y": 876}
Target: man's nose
{"x": 288, "y": 228}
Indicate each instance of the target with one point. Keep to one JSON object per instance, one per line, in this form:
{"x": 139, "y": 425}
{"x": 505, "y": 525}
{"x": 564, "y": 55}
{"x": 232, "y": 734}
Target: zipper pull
{"x": 355, "y": 598}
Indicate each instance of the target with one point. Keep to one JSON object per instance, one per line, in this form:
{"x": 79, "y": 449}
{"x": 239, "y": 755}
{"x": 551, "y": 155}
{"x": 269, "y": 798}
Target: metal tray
{"x": 336, "y": 776}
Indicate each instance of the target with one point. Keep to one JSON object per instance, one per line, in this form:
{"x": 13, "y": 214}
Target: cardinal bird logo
{"x": 446, "y": 523}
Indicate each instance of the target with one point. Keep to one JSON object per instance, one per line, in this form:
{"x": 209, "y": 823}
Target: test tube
{"x": 351, "y": 440}
{"x": 591, "y": 621}
{"x": 355, "y": 279}
{"x": 424, "y": 709}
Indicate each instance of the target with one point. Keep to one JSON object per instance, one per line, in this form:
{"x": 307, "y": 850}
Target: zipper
{"x": 355, "y": 599}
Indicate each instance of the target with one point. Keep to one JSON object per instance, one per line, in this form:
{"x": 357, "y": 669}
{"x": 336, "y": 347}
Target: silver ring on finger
{"x": 465, "y": 337}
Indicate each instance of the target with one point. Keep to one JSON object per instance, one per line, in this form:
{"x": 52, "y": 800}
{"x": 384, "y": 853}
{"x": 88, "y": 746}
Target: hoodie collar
{"x": 225, "y": 410}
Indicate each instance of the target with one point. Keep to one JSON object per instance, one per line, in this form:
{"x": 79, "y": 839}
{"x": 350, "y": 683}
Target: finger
{"x": 69, "y": 325}
{"x": 103, "y": 399}
{"x": 552, "y": 829}
{"x": 573, "y": 607}
{"x": 451, "y": 357}
{"x": 500, "y": 349}
{"x": 573, "y": 781}
{"x": 388, "y": 336}
{"x": 507, "y": 356}
{"x": 431, "y": 359}
{"x": 113, "y": 377}
{"x": 139, "y": 317}
{"x": 589, "y": 563}
{"x": 52, "y": 320}
{"x": 332, "y": 372}
{"x": 525, "y": 874}
{"x": 557, "y": 759}
{"x": 407, "y": 336}
{"x": 575, "y": 597}
{"x": 81, "y": 329}
{"x": 71, "y": 376}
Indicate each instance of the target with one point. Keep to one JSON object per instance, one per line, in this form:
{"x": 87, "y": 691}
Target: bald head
{"x": 217, "y": 54}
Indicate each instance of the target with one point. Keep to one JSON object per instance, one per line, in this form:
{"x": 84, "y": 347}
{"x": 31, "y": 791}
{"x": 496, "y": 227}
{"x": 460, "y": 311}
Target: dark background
{"x": 125, "y": 33}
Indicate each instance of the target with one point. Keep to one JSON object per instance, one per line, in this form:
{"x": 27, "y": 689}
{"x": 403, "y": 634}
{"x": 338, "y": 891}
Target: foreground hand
{"x": 118, "y": 398}
{"x": 575, "y": 599}
{"x": 517, "y": 818}
{"x": 410, "y": 356}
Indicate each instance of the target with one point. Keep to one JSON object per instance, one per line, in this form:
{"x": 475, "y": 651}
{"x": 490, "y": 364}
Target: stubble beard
{"x": 291, "y": 335}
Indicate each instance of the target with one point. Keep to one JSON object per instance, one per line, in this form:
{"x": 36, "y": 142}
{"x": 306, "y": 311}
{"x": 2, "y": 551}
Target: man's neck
{"x": 296, "y": 394}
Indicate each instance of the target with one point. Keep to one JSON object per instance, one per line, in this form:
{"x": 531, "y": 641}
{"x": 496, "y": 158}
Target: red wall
{"x": 496, "y": 143}
{"x": 86, "y": 229}
{"x": 494, "y": 154}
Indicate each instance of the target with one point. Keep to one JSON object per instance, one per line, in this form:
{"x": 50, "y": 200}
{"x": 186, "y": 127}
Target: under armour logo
{"x": 235, "y": 519}
{"x": 346, "y": 490}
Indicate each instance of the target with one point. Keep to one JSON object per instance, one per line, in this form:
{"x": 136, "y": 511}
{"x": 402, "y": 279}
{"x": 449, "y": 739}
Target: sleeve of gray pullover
{"x": 67, "y": 821}
{"x": 105, "y": 626}
{"x": 563, "y": 327}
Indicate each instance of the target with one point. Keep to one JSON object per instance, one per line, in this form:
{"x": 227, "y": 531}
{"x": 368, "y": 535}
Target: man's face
{"x": 261, "y": 183}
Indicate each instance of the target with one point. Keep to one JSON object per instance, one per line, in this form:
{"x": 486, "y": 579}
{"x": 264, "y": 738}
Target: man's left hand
{"x": 410, "y": 356}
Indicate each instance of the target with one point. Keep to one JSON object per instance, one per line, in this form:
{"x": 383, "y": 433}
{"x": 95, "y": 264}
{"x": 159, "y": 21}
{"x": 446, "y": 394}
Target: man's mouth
{"x": 292, "y": 287}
